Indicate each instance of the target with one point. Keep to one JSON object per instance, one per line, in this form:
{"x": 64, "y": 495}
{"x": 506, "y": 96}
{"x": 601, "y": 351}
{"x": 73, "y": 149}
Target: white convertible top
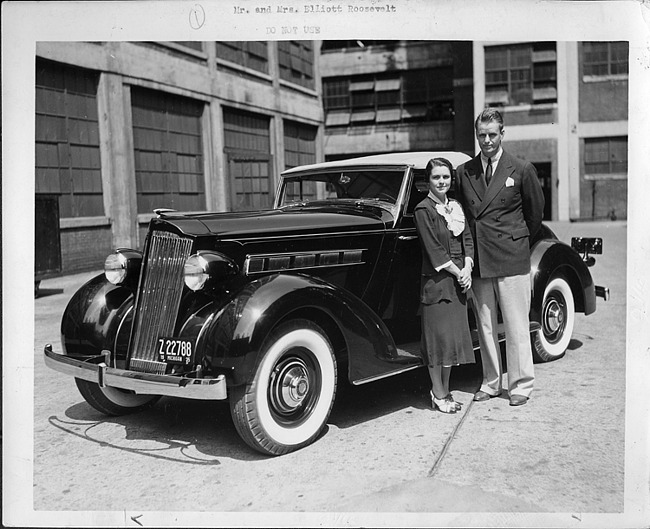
{"x": 417, "y": 160}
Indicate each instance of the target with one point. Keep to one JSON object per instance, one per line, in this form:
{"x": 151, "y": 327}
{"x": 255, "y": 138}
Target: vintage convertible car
{"x": 270, "y": 309}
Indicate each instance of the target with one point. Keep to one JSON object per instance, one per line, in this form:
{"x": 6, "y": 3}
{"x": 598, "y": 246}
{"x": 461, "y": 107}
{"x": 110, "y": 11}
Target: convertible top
{"x": 417, "y": 160}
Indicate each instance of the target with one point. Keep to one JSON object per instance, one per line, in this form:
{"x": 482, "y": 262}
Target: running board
{"x": 412, "y": 350}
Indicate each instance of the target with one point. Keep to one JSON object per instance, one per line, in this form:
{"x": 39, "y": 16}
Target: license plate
{"x": 175, "y": 350}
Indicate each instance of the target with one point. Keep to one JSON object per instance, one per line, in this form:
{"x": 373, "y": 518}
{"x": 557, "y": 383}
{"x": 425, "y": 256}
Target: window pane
{"x": 514, "y": 72}
{"x": 605, "y": 58}
{"x": 67, "y": 138}
{"x": 251, "y": 54}
{"x": 606, "y": 155}
{"x": 168, "y": 151}
{"x": 296, "y": 59}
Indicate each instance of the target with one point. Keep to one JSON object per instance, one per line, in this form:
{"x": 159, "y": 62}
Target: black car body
{"x": 269, "y": 309}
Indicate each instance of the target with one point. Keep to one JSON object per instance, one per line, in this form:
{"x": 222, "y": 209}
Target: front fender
{"x": 97, "y": 317}
{"x": 233, "y": 338}
{"x": 550, "y": 258}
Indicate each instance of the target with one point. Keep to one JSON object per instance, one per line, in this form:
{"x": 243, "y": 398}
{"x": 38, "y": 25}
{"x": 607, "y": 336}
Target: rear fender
{"x": 234, "y": 335}
{"x": 550, "y": 258}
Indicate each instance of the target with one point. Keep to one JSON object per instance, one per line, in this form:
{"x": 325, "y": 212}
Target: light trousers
{"x": 512, "y": 295}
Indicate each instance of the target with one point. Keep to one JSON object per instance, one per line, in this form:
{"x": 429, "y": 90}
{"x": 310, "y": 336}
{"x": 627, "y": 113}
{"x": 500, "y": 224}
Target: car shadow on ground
{"x": 202, "y": 432}
{"x": 358, "y": 404}
{"x": 179, "y": 430}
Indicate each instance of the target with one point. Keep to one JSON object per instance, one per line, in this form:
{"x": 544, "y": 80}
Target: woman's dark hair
{"x": 439, "y": 162}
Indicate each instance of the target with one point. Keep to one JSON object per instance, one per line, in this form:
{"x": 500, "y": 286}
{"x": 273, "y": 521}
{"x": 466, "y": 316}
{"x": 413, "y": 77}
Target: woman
{"x": 447, "y": 260}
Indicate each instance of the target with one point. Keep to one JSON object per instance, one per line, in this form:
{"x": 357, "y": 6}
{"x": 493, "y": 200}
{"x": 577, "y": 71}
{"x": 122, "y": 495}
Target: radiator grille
{"x": 158, "y": 299}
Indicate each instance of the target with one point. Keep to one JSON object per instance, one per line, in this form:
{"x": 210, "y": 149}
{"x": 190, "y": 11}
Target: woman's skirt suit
{"x": 446, "y": 338}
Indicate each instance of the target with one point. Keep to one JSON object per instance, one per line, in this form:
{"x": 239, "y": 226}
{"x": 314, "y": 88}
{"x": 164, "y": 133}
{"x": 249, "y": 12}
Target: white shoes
{"x": 446, "y": 405}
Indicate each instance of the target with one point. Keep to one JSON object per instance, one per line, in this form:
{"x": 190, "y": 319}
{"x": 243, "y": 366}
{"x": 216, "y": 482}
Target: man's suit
{"x": 502, "y": 217}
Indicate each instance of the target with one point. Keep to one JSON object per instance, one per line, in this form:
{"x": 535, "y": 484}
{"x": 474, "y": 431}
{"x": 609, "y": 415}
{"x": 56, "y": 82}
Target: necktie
{"x": 488, "y": 171}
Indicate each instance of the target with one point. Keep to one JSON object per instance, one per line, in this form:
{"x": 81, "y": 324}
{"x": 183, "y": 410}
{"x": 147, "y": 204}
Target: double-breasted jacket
{"x": 502, "y": 216}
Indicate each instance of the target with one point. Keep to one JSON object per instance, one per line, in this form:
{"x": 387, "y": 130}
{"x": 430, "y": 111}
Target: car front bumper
{"x": 95, "y": 369}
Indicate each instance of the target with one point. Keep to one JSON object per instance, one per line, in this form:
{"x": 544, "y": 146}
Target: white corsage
{"x": 510, "y": 182}
{"x": 453, "y": 214}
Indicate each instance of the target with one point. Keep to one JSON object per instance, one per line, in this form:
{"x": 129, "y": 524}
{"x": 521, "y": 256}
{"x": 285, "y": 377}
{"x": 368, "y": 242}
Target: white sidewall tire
{"x": 552, "y": 350}
{"x": 324, "y": 358}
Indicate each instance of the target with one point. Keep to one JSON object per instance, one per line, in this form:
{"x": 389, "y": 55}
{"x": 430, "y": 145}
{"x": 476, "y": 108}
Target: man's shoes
{"x": 481, "y": 396}
{"x": 518, "y": 400}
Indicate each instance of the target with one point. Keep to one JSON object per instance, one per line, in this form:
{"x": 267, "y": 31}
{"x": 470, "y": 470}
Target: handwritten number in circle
{"x": 197, "y": 16}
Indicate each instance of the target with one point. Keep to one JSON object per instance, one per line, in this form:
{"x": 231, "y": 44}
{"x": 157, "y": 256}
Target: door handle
{"x": 407, "y": 237}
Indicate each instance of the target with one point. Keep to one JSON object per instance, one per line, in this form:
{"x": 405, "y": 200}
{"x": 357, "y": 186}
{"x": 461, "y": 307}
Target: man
{"x": 504, "y": 205}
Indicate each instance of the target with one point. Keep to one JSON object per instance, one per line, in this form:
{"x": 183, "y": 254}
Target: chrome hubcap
{"x": 554, "y": 316}
{"x": 290, "y": 385}
{"x": 554, "y": 319}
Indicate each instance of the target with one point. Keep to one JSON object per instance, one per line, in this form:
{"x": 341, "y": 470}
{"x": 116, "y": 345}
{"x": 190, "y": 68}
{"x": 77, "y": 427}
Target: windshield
{"x": 372, "y": 185}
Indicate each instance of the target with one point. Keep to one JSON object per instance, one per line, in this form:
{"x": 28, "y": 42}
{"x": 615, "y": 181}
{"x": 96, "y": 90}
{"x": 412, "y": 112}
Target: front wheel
{"x": 288, "y": 402}
{"x": 557, "y": 320}
{"x": 113, "y": 401}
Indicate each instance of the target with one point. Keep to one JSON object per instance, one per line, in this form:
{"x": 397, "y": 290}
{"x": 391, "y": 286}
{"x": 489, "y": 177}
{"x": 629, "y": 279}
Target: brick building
{"x": 124, "y": 127}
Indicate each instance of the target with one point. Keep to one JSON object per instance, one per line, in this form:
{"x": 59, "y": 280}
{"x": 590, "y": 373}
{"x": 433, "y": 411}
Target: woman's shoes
{"x": 446, "y": 405}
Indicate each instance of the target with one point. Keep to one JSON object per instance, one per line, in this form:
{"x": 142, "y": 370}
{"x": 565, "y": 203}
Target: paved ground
{"x": 385, "y": 458}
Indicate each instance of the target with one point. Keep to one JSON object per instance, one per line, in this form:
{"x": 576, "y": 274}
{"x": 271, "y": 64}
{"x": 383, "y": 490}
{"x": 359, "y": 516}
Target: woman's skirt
{"x": 446, "y": 339}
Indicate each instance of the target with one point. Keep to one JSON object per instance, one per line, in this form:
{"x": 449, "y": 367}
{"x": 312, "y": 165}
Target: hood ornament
{"x": 160, "y": 212}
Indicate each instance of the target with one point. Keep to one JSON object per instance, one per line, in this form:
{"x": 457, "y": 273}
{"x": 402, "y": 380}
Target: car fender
{"x": 552, "y": 257}
{"x": 94, "y": 318}
{"x": 234, "y": 334}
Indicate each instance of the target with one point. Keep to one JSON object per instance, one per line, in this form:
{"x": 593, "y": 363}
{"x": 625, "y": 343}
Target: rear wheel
{"x": 288, "y": 402}
{"x": 557, "y": 320}
{"x": 114, "y": 401}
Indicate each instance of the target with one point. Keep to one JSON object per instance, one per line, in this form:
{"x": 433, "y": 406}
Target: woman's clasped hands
{"x": 465, "y": 278}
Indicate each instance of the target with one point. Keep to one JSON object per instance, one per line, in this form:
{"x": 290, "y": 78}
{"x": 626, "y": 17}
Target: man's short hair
{"x": 489, "y": 114}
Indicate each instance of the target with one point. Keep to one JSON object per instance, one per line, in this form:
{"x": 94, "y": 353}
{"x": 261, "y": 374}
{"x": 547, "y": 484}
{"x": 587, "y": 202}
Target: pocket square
{"x": 510, "y": 182}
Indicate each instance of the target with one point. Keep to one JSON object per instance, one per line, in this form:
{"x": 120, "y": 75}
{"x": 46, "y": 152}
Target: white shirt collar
{"x": 495, "y": 158}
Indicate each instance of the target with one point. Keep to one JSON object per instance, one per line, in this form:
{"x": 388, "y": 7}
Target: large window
{"x": 605, "y": 58}
{"x": 247, "y": 145}
{"x": 167, "y": 140}
{"x": 390, "y": 97}
{"x": 300, "y": 149}
{"x": 521, "y": 74}
{"x": 67, "y": 139}
{"x": 606, "y": 156}
{"x": 296, "y": 58}
{"x": 251, "y": 54}
{"x": 299, "y": 144}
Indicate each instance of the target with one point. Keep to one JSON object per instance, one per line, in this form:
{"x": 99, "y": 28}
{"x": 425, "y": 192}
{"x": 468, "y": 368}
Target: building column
{"x": 219, "y": 187}
{"x": 116, "y": 152}
{"x": 478, "y": 54}
{"x": 568, "y": 158}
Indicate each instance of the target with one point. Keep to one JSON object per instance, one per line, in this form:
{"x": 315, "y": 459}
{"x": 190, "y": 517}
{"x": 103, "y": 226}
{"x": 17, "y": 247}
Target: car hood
{"x": 287, "y": 221}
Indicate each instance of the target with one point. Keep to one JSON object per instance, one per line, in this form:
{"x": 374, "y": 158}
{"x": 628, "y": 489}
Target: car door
{"x": 401, "y": 301}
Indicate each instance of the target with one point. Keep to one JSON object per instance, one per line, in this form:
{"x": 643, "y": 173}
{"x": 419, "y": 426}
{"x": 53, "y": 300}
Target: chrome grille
{"x": 158, "y": 299}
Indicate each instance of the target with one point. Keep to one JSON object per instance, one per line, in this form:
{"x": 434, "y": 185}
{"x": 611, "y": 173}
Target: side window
{"x": 419, "y": 191}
